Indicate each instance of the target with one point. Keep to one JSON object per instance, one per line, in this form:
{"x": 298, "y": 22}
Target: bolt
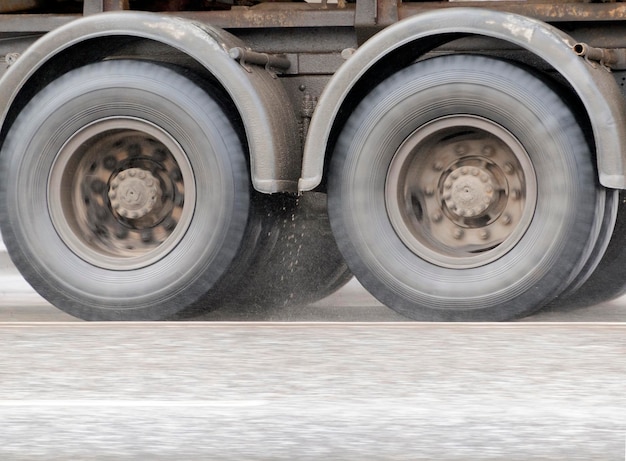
{"x": 11, "y": 58}
{"x": 488, "y": 150}
{"x": 475, "y": 171}
{"x": 159, "y": 155}
{"x": 506, "y": 219}
{"x": 176, "y": 175}
{"x": 509, "y": 168}
{"x": 347, "y": 53}
{"x": 98, "y": 186}
{"x": 460, "y": 149}
{"x": 146, "y": 235}
{"x": 516, "y": 194}
{"x": 134, "y": 150}
{"x": 169, "y": 223}
{"x": 438, "y": 166}
{"x": 457, "y": 234}
{"x": 429, "y": 190}
{"x": 484, "y": 234}
{"x": 121, "y": 232}
{"x": 437, "y": 216}
{"x": 179, "y": 200}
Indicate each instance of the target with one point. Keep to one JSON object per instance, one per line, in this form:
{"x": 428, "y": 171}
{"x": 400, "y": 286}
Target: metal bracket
{"x": 608, "y": 58}
{"x": 270, "y": 62}
{"x": 98, "y": 6}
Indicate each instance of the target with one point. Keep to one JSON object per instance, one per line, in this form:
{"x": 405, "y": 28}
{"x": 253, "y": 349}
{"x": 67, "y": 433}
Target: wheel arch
{"x": 401, "y": 44}
{"x": 260, "y": 100}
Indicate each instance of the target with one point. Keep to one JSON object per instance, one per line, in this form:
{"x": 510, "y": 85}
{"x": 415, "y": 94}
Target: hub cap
{"x": 134, "y": 193}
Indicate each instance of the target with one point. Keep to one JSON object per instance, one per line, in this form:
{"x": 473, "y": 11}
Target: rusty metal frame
{"x": 366, "y": 16}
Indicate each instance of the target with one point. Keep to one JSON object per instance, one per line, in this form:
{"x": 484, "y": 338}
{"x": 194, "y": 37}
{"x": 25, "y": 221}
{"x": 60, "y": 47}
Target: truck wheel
{"x": 462, "y": 188}
{"x": 124, "y": 192}
{"x": 585, "y": 288}
{"x": 608, "y": 281}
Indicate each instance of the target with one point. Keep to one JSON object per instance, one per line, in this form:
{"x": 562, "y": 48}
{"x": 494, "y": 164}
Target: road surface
{"x": 312, "y": 391}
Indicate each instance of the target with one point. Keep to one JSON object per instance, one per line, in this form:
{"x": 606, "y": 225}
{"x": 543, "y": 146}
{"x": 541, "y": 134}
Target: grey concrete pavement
{"x": 322, "y": 391}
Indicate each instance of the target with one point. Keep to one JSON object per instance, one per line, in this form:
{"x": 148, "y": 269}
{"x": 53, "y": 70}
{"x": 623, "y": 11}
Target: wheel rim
{"x": 121, "y": 193}
{"x": 460, "y": 191}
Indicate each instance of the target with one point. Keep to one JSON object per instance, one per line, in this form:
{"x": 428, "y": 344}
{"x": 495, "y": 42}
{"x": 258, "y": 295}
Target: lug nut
{"x": 121, "y": 232}
{"x": 460, "y": 149}
{"x": 169, "y": 223}
{"x": 146, "y": 235}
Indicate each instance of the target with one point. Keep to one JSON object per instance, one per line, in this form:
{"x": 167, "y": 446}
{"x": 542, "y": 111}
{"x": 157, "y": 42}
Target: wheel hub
{"x": 134, "y": 193}
{"x": 460, "y": 191}
{"x": 468, "y": 191}
{"x": 122, "y": 193}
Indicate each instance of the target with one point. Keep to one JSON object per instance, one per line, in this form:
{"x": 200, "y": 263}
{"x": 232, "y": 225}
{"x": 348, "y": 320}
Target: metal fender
{"x": 261, "y": 101}
{"x": 405, "y": 41}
